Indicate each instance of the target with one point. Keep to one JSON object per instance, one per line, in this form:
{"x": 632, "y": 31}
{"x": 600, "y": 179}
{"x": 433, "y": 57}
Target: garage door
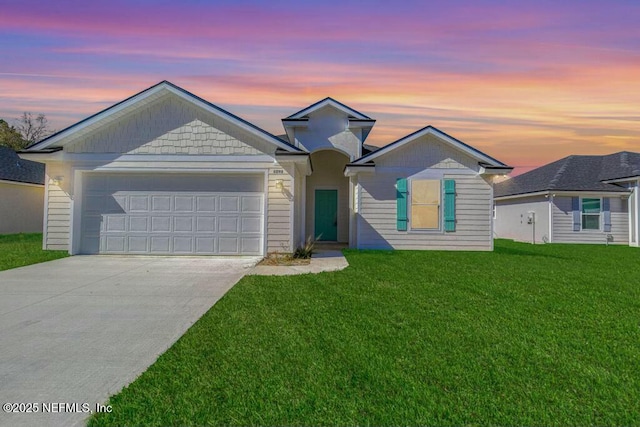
{"x": 172, "y": 214}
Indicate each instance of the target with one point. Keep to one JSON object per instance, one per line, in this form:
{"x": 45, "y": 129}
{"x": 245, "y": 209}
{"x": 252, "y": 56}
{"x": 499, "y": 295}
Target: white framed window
{"x": 590, "y": 213}
{"x": 425, "y": 202}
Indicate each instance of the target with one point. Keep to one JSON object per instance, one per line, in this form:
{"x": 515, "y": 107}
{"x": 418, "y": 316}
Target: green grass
{"x": 17, "y": 250}
{"x": 526, "y": 335}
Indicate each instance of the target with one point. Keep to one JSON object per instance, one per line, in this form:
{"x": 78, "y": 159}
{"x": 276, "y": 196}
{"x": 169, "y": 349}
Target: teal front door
{"x": 326, "y": 214}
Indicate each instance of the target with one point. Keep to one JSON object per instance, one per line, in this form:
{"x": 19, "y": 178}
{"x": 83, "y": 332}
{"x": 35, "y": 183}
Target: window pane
{"x": 590, "y": 222}
{"x": 425, "y": 191}
{"x": 590, "y": 205}
{"x": 425, "y": 216}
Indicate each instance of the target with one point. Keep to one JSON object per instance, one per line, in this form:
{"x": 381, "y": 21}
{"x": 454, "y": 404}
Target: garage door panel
{"x": 206, "y": 204}
{"x": 205, "y": 245}
{"x": 138, "y": 224}
{"x": 183, "y": 244}
{"x": 115, "y": 223}
{"x": 160, "y": 244}
{"x": 251, "y": 204}
{"x": 250, "y": 225}
{"x": 183, "y": 203}
{"x": 138, "y": 244}
{"x": 115, "y": 244}
{"x": 138, "y": 203}
{"x": 228, "y": 225}
{"x": 229, "y": 204}
{"x": 206, "y": 224}
{"x": 160, "y": 203}
{"x": 155, "y": 215}
{"x": 228, "y": 245}
{"x": 251, "y": 245}
{"x": 183, "y": 223}
{"x": 160, "y": 224}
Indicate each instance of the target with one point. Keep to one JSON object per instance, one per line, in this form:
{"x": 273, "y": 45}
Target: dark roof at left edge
{"x": 186, "y": 92}
{"x": 13, "y": 168}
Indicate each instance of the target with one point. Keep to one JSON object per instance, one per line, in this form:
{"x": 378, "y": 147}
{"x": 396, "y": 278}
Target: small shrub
{"x": 305, "y": 251}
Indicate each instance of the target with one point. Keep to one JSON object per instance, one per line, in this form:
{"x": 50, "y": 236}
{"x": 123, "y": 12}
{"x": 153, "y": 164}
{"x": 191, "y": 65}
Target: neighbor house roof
{"x": 574, "y": 173}
{"x": 13, "y": 168}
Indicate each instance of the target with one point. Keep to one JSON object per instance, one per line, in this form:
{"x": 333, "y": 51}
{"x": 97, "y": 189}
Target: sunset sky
{"x": 527, "y": 82}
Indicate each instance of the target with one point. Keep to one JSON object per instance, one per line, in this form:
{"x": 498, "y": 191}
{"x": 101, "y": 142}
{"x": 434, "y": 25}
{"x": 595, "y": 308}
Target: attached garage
{"x": 172, "y": 214}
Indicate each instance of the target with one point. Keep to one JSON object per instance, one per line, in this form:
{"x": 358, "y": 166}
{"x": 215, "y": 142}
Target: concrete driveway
{"x": 77, "y": 330}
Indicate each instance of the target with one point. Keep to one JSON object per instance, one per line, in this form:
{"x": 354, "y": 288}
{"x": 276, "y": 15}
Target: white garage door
{"x": 172, "y": 214}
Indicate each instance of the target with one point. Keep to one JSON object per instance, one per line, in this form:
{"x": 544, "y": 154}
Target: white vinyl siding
{"x": 563, "y": 223}
{"x": 377, "y": 216}
{"x": 58, "y": 208}
{"x": 511, "y": 219}
{"x": 280, "y": 210}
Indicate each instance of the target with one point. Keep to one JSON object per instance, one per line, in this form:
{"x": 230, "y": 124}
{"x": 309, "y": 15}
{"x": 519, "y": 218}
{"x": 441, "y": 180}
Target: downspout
{"x": 551, "y": 217}
{"x": 636, "y": 211}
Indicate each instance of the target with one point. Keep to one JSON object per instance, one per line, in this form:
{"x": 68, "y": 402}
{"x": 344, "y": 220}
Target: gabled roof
{"x": 154, "y": 92}
{"x": 430, "y": 130}
{"x": 574, "y": 173}
{"x": 353, "y": 114}
{"x": 13, "y": 168}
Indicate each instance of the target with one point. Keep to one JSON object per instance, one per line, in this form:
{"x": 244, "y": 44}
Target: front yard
{"x": 18, "y": 250}
{"x": 527, "y": 335}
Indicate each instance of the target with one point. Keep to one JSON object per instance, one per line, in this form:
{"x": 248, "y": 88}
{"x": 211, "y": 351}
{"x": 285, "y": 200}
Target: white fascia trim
{"x": 494, "y": 171}
{"x": 323, "y": 104}
{"x": 631, "y": 179}
{"x": 154, "y": 91}
{"x": 427, "y": 131}
{"x": 623, "y": 194}
{"x": 144, "y": 158}
{"x": 354, "y": 170}
{"x": 41, "y": 157}
{"x": 100, "y": 116}
{"x": 27, "y": 184}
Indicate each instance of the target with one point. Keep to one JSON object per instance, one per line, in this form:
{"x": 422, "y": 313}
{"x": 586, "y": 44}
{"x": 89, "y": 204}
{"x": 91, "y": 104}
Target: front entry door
{"x": 326, "y": 214}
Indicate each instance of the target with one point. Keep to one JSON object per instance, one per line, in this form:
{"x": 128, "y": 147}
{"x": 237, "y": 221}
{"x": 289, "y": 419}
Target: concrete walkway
{"x": 78, "y": 329}
{"x": 322, "y": 260}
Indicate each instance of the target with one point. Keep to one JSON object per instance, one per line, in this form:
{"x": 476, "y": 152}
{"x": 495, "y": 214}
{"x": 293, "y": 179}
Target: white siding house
{"x": 572, "y": 200}
{"x": 165, "y": 172}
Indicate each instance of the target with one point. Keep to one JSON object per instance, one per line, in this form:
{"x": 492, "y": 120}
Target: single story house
{"x": 166, "y": 172}
{"x": 578, "y": 199}
{"x": 21, "y": 194}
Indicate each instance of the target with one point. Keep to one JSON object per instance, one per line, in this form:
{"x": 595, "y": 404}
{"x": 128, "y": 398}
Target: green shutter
{"x": 401, "y": 200}
{"x": 449, "y": 205}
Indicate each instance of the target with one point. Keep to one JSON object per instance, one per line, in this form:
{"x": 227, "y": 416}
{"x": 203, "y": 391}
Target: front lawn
{"x": 526, "y": 335}
{"x": 17, "y": 250}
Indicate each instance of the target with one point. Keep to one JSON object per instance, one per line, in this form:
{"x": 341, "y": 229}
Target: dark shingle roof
{"x": 13, "y": 168}
{"x": 574, "y": 173}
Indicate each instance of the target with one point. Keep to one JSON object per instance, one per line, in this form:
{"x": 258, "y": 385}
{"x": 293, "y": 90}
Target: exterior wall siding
{"x": 429, "y": 159}
{"x": 58, "y": 220}
{"x": 511, "y": 219}
{"x": 171, "y": 126}
{"x": 280, "y": 202}
{"x": 21, "y": 209}
{"x": 327, "y": 128}
{"x": 563, "y": 223}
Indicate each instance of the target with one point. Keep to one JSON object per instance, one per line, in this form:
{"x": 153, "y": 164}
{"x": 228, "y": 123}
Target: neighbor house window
{"x": 591, "y": 210}
{"x": 425, "y": 204}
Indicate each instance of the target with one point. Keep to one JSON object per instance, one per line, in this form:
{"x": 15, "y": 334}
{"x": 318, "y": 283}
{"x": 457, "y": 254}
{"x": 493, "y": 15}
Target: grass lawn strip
{"x": 18, "y": 250}
{"x": 526, "y": 335}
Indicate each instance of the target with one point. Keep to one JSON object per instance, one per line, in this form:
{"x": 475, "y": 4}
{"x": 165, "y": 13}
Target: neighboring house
{"x": 21, "y": 194}
{"x": 166, "y": 172}
{"x": 578, "y": 199}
